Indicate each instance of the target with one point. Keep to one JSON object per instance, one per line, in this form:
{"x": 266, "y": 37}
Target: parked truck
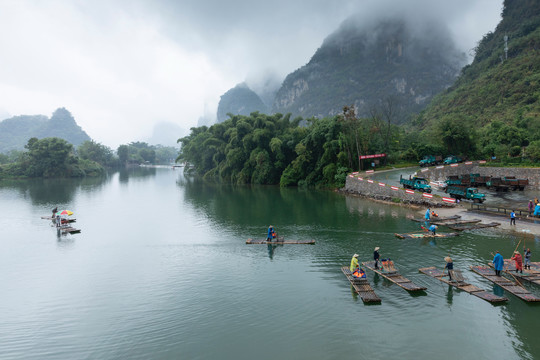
{"x": 463, "y": 192}
{"x": 430, "y": 160}
{"x": 415, "y": 183}
{"x": 451, "y": 159}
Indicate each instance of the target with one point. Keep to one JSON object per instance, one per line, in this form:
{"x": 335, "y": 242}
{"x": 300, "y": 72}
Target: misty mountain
{"x": 368, "y": 64}
{"x": 499, "y": 92}
{"x": 15, "y": 131}
{"x": 240, "y": 100}
{"x": 166, "y": 134}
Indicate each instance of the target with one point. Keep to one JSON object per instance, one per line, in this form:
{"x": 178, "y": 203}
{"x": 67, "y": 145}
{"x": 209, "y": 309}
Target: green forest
{"x": 55, "y": 158}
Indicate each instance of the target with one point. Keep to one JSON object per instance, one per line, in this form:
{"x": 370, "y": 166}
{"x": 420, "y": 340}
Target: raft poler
{"x": 376, "y": 257}
{"x": 433, "y": 229}
{"x": 271, "y": 233}
{"x": 449, "y": 266}
{"x": 428, "y": 214}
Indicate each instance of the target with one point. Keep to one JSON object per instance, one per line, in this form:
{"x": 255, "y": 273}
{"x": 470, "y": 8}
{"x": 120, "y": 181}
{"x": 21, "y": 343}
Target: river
{"x": 161, "y": 271}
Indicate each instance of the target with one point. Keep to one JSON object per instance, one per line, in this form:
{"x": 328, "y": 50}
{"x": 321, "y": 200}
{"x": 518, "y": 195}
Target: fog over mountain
{"x": 123, "y": 66}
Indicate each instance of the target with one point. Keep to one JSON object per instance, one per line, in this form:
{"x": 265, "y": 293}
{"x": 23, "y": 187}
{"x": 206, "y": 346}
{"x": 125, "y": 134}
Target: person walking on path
{"x": 527, "y": 258}
{"x": 449, "y": 266}
{"x": 531, "y": 207}
{"x": 498, "y": 263}
{"x": 519, "y": 262}
{"x": 512, "y": 218}
{"x": 376, "y": 257}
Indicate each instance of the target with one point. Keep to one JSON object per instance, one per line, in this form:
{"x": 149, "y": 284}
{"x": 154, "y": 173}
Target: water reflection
{"x": 135, "y": 173}
{"x": 450, "y": 295}
{"x": 54, "y": 191}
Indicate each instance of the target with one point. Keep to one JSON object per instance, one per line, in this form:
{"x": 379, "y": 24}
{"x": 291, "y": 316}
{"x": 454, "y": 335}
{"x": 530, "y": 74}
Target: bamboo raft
{"x": 532, "y": 275}
{"x": 508, "y": 285}
{"x": 51, "y": 218}
{"x": 279, "y": 241}
{"x": 455, "y": 222}
{"x": 473, "y": 227}
{"x": 425, "y": 235}
{"x": 69, "y": 230}
{"x": 362, "y": 287}
{"x": 439, "y": 218}
{"x": 395, "y": 277}
{"x": 461, "y": 284}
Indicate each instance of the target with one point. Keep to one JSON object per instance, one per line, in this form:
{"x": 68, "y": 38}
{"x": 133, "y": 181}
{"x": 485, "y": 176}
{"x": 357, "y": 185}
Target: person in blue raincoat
{"x": 433, "y": 229}
{"x": 271, "y": 233}
{"x": 428, "y": 214}
{"x": 537, "y": 210}
{"x": 498, "y": 263}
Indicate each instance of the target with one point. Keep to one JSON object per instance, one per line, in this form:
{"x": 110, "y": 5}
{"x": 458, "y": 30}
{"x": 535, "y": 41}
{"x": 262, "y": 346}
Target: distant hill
{"x": 15, "y": 131}
{"x": 498, "y": 93}
{"x": 366, "y": 64}
{"x": 240, "y": 100}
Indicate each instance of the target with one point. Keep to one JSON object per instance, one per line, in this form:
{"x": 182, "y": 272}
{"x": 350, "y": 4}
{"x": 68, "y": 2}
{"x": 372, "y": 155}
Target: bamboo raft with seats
{"x": 460, "y": 283}
{"x": 508, "y": 285}
{"x": 279, "y": 241}
{"x": 69, "y": 230}
{"x": 455, "y": 222}
{"x": 439, "y": 218}
{"x": 473, "y": 227}
{"x": 424, "y": 235}
{"x": 362, "y": 287}
{"x": 389, "y": 272}
{"x": 532, "y": 275}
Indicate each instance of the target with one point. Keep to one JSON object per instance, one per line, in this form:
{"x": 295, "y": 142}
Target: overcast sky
{"x": 122, "y": 66}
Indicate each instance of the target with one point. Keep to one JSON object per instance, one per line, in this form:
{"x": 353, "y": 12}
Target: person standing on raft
{"x": 449, "y": 266}
{"x": 527, "y": 258}
{"x": 433, "y": 229}
{"x": 271, "y": 233}
{"x": 498, "y": 263}
{"x": 376, "y": 257}
{"x": 519, "y": 264}
{"x": 428, "y": 215}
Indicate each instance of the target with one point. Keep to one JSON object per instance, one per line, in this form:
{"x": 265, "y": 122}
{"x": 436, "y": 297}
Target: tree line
{"x": 54, "y": 157}
{"x": 273, "y": 149}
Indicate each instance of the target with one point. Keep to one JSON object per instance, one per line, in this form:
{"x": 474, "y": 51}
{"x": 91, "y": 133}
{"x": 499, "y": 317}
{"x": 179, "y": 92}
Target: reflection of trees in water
{"x": 54, "y": 191}
{"x": 265, "y": 205}
{"x": 135, "y": 172}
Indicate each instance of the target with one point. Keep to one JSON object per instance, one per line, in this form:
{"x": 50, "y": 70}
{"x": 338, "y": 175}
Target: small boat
{"x": 361, "y": 286}
{"x": 390, "y": 273}
{"x": 460, "y": 283}
{"x": 279, "y": 241}
{"x": 425, "y": 235}
{"x": 507, "y": 284}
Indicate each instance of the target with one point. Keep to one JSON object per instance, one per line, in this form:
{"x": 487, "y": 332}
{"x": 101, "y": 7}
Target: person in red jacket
{"x": 519, "y": 261}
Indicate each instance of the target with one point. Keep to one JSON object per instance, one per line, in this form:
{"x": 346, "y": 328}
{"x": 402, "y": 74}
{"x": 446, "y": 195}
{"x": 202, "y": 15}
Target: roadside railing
{"x": 499, "y": 209}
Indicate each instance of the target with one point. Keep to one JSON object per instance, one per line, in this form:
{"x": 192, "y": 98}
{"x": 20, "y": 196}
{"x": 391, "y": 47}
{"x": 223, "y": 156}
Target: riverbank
{"x": 524, "y": 225}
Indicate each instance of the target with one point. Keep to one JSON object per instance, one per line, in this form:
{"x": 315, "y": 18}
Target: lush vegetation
{"x": 263, "y": 149}
{"x": 55, "y": 157}
{"x": 493, "y": 109}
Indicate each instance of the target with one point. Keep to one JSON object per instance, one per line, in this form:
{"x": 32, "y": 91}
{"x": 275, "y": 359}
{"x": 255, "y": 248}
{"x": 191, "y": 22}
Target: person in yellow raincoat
{"x": 354, "y": 263}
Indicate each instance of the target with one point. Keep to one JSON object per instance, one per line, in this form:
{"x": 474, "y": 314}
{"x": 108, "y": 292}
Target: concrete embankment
{"x": 361, "y": 184}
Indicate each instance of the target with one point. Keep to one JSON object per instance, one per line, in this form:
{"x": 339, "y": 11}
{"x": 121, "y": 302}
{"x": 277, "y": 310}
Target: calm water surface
{"x": 161, "y": 271}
